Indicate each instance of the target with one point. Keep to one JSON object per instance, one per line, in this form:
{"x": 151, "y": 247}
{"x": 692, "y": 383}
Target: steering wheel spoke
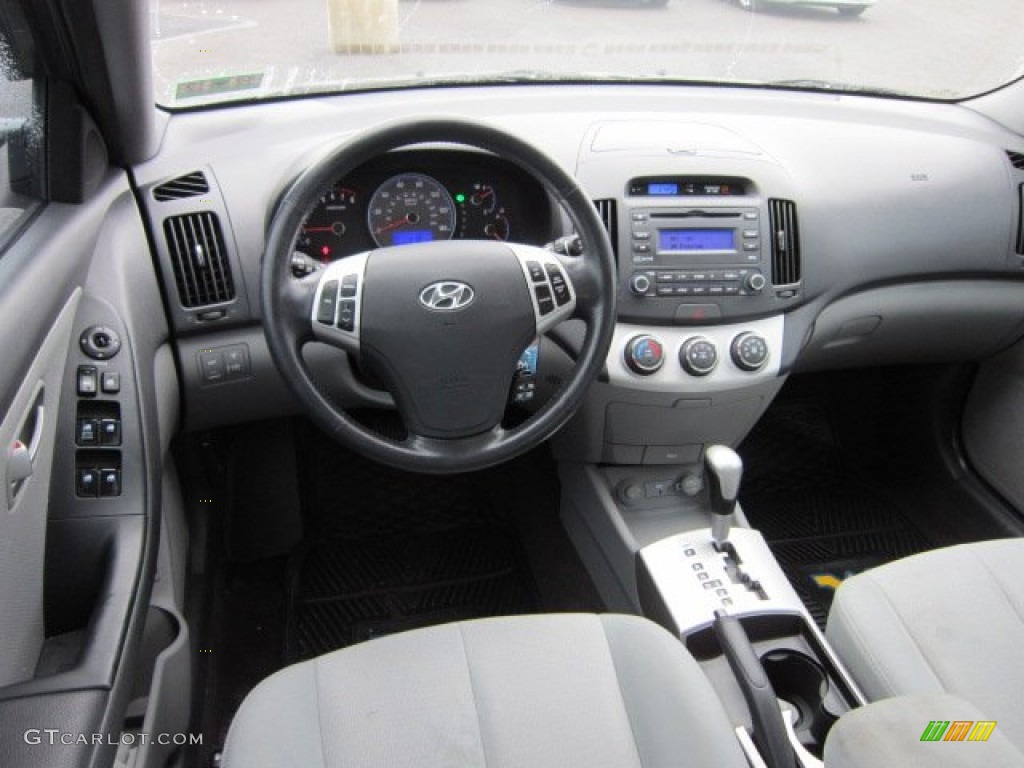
{"x": 337, "y": 303}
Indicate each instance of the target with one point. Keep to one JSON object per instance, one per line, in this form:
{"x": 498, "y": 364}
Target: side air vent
{"x": 201, "y": 270}
{"x": 1016, "y": 159}
{"x": 1020, "y": 220}
{"x": 606, "y": 209}
{"x": 785, "y": 237}
{"x": 191, "y": 185}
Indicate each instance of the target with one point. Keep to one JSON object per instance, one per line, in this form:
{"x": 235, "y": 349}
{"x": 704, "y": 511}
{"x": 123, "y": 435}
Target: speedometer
{"x": 411, "y": 208}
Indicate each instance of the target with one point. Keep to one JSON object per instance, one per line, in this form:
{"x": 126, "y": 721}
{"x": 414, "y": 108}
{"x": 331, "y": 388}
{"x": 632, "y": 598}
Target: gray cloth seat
{"x": 947, "y": 621}
{"x": 554, "y": 690}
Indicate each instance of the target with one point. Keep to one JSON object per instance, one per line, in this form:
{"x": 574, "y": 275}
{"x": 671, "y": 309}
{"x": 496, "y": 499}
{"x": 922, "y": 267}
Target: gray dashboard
{"x": 883, "y": 231}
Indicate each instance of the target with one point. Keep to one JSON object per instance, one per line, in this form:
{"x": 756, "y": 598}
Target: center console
{"x": 722, "y": 592}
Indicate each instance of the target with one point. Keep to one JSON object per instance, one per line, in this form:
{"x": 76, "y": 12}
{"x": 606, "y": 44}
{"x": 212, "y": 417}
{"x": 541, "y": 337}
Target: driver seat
{"x": 551, "y": 690}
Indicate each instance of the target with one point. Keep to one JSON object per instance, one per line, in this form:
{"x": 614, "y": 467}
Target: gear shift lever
{"x": 724, "y": 469}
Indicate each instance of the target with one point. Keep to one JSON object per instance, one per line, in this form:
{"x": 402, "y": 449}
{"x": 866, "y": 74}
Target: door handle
{"x": 21, "y": 455}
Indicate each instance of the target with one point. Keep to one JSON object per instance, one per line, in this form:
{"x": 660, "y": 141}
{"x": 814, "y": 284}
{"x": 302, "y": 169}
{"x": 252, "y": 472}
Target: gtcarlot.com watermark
{"x": 55, "y": 736}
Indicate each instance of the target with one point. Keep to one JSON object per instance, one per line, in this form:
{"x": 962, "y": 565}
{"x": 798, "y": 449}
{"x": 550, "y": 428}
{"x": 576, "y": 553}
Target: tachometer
{"x": 411, "y": 208}
{"x": 322, "y": 231}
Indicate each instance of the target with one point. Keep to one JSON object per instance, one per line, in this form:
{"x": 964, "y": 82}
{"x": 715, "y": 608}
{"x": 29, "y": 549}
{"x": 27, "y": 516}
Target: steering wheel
{"x": 441, "y": 324}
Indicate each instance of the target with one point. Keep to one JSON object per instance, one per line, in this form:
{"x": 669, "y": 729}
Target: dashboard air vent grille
{"x": 190, "y": 185}
{"x": 1020, "y": 220}
{"x": 1016, "y": 159}
{"x": 606, "y": 209}
{"x": 200, "y": 259}
{"x": 785, "y": 237}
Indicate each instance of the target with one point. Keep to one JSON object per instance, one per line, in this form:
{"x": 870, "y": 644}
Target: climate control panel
{"x": 703, "y": 360}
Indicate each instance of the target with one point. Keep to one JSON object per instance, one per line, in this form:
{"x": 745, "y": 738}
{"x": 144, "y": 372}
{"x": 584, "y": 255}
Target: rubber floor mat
{"x": 347, "y": 591}
{"x": 824, "y": 519}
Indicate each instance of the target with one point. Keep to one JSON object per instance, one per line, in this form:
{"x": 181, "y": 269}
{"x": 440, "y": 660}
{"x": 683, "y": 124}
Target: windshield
{"x": 208, "y": 52}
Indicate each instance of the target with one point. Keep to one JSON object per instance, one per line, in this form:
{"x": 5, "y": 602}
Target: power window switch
{"x": 87, "y": 482}
{"x": 86, "y": 432}
{"x": 110, "y": 432}
{"x": 110, "y": 383}
{"x": 87, "y": 381}
{"x": 110, "y": 482}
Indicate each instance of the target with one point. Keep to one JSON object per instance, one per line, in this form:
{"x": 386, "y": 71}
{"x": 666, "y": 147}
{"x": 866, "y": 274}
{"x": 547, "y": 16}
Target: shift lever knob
{"x": 724, "y": 470}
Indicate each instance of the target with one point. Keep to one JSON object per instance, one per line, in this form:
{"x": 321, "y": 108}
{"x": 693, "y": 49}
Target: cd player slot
{"x": 695, "y": 214}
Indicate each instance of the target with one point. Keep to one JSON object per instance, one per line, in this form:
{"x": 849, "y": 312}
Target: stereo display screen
{"x": 696, "y": 240}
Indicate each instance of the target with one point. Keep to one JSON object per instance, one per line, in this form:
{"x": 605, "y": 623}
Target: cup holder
{"x": 802, "y": 682}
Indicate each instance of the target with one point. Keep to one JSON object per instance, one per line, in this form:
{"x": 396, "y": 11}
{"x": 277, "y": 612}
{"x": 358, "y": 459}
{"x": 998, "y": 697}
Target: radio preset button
{"x": 641, "y": 248}
{"x": 637, "y": 216}
{"x": 750, "y": 215}
{"x": 667, "y": 277}
{"x": 698, "y": 356}
{"x": 665, "y": 290}
{"x": 750, "y": 233}
{"x": 643, "y": 235}
{"x": 751, "y": 246}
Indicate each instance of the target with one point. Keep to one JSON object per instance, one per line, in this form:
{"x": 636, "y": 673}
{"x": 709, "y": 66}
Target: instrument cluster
{"x": 414, "y": 196}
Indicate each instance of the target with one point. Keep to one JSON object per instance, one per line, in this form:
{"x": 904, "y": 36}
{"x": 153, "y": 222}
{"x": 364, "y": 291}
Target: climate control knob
{"x": 698, "y": 356}
{"x": 749, "y": 351}
{"x": 640, "y": 284}
{"x": 755, "y": 282}
{"x": 644, "y": 354}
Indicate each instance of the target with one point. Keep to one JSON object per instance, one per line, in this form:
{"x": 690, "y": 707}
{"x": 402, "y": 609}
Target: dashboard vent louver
{"x": 200, "y": 259}
{"x": 190, "y": 185}
{"x": 1020, "y": 220}
{"x": 607, "y": 211}
{"x": 1016, "y": 159}
{"x": 785, "y": 238}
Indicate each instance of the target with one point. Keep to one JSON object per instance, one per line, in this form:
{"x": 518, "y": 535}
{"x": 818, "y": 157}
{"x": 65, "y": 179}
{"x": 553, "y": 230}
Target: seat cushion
{"x": 951, "y": 620}
{"x": 555, "y": 690}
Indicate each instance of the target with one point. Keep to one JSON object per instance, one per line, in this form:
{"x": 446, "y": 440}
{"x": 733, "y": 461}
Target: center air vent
{"x": 191, "y": 185}
{"x": 606, "y": 210}
{"x": 785, "y": 239}
{"x": 1016, "y": 159}
{"x": 200, "y": 259}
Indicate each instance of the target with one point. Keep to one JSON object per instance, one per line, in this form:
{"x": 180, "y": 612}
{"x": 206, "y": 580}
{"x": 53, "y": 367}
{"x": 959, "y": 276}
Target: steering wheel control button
{"x": 349, "y": 286}
{"x": 536, "y": 271}
{"x": 347, "y": 315}
{"x": 749, "y": 351}
{"x": 87, "y": 381}
{"x": 100, "y": 342}
{"x": 644, "y": 355}
{"x": 544, "y": 301}
{"x": 328, "y": 305}
{"x": 698, "y": 356}
{"x": 558, "y": 284}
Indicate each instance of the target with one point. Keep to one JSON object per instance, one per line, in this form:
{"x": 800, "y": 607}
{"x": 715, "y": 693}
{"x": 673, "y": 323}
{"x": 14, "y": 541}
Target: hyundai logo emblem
{"x": 447, "y": 296}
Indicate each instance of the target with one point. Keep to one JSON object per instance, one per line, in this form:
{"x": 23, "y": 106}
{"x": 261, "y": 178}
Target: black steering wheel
{"x": 441, "y": 324}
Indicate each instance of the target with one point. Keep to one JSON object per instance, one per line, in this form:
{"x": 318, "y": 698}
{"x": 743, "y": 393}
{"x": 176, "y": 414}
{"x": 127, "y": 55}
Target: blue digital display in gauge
{"x": 407, "y": 236}
{"x": 662, "y": 188}
{"x": 696, "y": 240}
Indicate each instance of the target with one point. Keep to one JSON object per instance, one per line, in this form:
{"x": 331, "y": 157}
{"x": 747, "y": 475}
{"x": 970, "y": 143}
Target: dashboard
{"x": 756, "y": 233}
{"x": 419, "y": 196}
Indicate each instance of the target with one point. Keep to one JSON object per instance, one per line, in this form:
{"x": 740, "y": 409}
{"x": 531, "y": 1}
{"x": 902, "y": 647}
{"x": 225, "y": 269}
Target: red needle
{"x": 392, "y": 225}
{"x": 318, "y": 229}
{"x": 486, "y": 194}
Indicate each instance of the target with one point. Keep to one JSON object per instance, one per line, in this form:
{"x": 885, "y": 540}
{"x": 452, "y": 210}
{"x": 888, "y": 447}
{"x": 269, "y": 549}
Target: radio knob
{"x": 640, "y": 284}
{"x": 644, "y": 355}
{"x": 749, "y": 351}
{"x": 755, "y": 282}
{"x": 698, "y": 356}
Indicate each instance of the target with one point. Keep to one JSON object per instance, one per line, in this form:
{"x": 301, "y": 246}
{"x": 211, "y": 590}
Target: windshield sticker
{"x": 215, "y": 86}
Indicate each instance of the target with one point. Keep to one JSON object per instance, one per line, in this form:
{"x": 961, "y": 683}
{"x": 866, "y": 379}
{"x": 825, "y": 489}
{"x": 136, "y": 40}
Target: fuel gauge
{"x": 498, "y": 227}
{"x": 484, "y": 198}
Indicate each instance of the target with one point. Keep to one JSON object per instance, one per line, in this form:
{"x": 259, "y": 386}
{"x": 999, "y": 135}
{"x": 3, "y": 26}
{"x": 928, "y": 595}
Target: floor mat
{"x": 824, "y": 518}
{"x": 347, "y": 591}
